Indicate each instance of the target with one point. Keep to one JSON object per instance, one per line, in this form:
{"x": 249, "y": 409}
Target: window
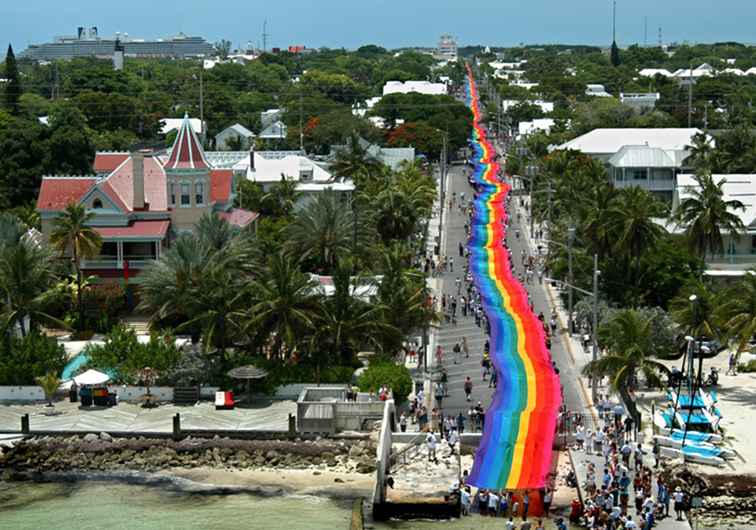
{"x": 186, "y": 195}
{"x": 172, "y": 193}
{"x": 638, "y": 174}
{"x": 97, "y": 204}
{"x": 199, "y": 193}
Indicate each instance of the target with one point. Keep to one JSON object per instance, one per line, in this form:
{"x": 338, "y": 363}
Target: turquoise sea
{"x": 111, "y": 506}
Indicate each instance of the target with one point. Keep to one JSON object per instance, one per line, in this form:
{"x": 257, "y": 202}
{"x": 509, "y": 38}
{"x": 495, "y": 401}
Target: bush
{"x": 104, "y": 305}
{"x": 395, "y": 376}
{"x": 22, "y": 359}
{"x": 123, "y": 355}
{"x": 748, "y": 367}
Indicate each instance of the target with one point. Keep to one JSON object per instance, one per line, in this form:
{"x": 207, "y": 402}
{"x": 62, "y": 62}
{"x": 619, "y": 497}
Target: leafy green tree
{"x": 698, "y": 317}
{"x": 25, "y": 159}
{"x": 13, "y": 84}
{"x": 396, "y": 377}
{"x": 22, "y": 359}
{"x": 123, "y": 356}
{"x": 71, "y": 150}
{"x": 705, "y": 215}
{"x": 615, "y": 55}
{"x": 71, "y": 233}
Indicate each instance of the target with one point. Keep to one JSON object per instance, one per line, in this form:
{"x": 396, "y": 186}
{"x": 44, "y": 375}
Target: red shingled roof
{"x": 57, "y": 193}
{"x": 151, "y": 229}
{"x": 108, "y": 162}
{"x": 220, "y": 184}
{"x": 187, "y": 151}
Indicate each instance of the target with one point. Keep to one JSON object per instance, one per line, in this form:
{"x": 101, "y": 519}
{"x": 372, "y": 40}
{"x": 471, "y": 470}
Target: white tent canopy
{"x": 91, "y": 377}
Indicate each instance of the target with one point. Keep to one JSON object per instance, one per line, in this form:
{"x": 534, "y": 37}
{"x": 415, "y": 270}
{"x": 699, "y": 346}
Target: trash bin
{"x": 73, "y": 394}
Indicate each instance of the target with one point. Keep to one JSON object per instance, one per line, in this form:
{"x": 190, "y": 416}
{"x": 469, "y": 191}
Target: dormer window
{"x": 97, "y": 204}
{"x": 305, "y": 174}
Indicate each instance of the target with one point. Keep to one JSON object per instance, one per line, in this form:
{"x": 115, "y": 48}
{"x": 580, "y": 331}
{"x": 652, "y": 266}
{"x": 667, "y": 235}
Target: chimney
{"x": 252, "y": 158}
{"x": 137, "y": 159}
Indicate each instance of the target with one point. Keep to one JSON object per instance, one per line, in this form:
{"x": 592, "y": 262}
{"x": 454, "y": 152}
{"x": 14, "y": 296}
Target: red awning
{"x": 145, "y": 229}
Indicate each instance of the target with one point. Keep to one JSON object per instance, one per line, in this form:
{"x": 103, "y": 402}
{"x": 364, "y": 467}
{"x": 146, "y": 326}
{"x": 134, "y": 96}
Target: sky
{"x": 389, "y": 23}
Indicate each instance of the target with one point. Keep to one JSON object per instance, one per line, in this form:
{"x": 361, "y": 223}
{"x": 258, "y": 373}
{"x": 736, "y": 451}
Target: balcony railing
{"x": 733, "y": 259}
{"x": 646, "y": 184}
{"x": 110, "y": 262}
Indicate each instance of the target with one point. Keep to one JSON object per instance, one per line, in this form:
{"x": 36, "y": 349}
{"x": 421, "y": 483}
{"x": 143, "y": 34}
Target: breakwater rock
{"x": 93, "y": 453}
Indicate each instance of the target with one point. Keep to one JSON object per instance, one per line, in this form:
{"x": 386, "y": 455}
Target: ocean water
{"x": 113, "y": 506}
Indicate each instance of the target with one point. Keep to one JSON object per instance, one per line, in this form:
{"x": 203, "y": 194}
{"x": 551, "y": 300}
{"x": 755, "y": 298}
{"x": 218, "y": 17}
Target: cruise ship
{"x": 87, "y": 43}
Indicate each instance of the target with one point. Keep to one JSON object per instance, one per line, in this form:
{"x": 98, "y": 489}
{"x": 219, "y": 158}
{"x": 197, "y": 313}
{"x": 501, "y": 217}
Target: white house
{"x": 174, "y": 124}
{"x": 740, "y": 253}
{"x": 640, "y": 101}
{"x": 653, "y": 72}
{"x": 647, "y": 158}
{"x": 545, "y": 106}
{"x": 269, "y": 167}
{"x": 597, "y": 91}
{"x": 236, "y": 132}
{"x": 537, "y": 125}
{"x": 419, "y": 87}
{"x": 275, "y": 131}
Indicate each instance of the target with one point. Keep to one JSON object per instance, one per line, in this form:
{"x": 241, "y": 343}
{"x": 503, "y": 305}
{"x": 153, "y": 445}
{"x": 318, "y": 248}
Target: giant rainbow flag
{"x": 516, "y": 447}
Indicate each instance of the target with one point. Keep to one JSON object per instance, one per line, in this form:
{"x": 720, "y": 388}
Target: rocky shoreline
{"x": 139, "y": 459}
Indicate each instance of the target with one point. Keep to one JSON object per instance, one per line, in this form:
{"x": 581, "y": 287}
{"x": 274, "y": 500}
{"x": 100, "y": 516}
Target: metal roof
{"x": 642, "y": 156}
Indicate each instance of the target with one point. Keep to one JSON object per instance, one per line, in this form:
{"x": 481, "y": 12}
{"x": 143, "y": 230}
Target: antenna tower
{"x": 265, "y": 35}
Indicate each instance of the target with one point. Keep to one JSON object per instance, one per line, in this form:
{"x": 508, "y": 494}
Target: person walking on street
{"x": 457, "y": 353}
{"x": 465, "y": 348}
{"x": 461, "y": 423}
{"x": 452, "y": 440}
{"x": 431, "y": 442}
{"x": 468, "y": 388}
{"x": 458, "y": 284}
{"x": 679, "y": 497}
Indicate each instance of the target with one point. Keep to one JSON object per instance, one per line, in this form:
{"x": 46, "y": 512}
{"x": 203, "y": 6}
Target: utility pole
{"x": 706, "y": 115}
{"x": 531, "y": 170}
{"x": 202, "y": 103}
{"x": 442, "y": 174}
{"x": 570, "y": 238}
{"x": 301, "y": 124}
{"x": 594, "y": 379}
{"x": 690, "y": 96}
{"x": 645, "y": 32}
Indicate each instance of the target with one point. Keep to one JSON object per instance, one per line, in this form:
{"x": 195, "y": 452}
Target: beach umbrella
{"x": 91, "y": 377}
{"x": 247, "y": 373}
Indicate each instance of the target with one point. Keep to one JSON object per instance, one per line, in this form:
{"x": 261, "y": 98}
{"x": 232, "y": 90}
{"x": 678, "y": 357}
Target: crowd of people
{"x": 620, "y": 468}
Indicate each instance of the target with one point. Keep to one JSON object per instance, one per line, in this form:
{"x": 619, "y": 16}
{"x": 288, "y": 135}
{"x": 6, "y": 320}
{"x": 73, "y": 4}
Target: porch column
{"x": 119, "y": 254}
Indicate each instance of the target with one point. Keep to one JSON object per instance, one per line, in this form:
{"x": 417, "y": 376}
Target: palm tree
{"x": 705, "y": 214}
{"x": 698, "y": 316}
{"x": 71, "y": 233}
{"x": 345, "y": 322}
{"x": 49, "y": 384}
{"x": 597, "y": 218}
{"x": 738, "y": 312}
{"x": 201, "y": 281}
{"x": 282, "y": 197}
{"x": 323, "y": 231}
{"x": 354, "y": 159}
{"x": 632, "y": 221}
{"x": 628, "y": 337}
{"x": 702, "y": 153}
{"x": 403, "y": 295}
{"x": 26, "y": 275}
{"x": 285, "y": 306}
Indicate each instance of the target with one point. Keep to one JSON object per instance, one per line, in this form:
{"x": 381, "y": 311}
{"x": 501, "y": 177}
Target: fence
{"x": 326, "y": 410}
{"x": 383, "y": 452}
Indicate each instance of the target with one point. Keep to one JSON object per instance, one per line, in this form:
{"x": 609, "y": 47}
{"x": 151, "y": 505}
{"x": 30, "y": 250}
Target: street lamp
{"x": 570, "y": 239}
{"x": 694, "y": 317}
{"x": 596, "y": 272}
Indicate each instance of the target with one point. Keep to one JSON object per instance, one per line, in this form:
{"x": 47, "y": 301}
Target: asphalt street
{"x": 449, "y": 334}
